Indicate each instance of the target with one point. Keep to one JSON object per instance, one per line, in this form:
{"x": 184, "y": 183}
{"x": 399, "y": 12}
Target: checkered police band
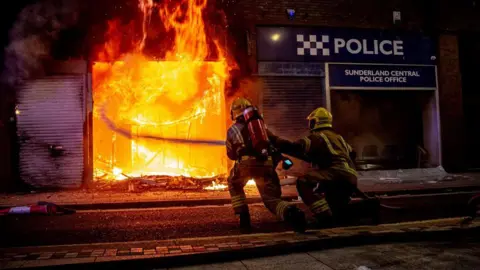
{"x": 312, "y": 46}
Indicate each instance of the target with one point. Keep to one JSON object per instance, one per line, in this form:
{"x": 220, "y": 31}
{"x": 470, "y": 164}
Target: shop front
{"x": 380, "y": 86}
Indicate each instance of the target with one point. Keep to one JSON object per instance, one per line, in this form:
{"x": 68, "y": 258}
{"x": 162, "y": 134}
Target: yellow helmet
{"x": 320, "y": 118}
{"x": 238, "y": 106}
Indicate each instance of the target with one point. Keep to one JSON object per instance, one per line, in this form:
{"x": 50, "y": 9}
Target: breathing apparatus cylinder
{"x": 257, "y": 131}
{"x": 259, "y": 137}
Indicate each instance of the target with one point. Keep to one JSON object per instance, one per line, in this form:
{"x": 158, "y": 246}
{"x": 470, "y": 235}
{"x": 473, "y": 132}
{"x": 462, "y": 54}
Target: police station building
{"x": 380, "y": 86}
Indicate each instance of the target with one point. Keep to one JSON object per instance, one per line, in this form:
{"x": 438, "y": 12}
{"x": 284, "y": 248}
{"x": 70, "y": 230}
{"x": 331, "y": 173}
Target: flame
{"x": 181, "y": 96}
{"x": 216, "y": 186}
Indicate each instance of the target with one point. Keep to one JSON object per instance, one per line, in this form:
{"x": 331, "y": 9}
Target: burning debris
{"x": 159, "y": 183}
{"x": 181, "y": 96}
{"x": 162, "y": 182}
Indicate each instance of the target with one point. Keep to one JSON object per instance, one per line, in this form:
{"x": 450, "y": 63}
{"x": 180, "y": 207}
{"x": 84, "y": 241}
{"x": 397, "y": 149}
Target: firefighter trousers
{"x": 326, "y": 192}
{"x": 268, "y": 185}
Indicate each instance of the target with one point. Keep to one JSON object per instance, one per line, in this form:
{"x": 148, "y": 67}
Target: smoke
{"x": 32, "y": 35}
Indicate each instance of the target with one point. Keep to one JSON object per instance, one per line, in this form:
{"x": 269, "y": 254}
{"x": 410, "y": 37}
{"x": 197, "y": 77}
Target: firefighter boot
{"x": 296, "y": 218}
{"x": 245, "y": 225}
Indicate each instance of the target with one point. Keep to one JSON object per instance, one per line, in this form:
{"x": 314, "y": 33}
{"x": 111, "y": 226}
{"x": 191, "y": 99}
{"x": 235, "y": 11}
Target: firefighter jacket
{"x": 238, "y": 141}
{"x": 323, "y": 148}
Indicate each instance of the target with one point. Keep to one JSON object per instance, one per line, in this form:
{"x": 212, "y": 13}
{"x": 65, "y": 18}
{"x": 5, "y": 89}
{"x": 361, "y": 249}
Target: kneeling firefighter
{"x": 326, "y": 188}
{"x": 248, "y": 145}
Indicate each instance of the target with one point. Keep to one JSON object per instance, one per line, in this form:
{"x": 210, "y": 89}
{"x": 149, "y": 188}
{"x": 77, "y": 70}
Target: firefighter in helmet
{"x": 327, "y": 186}
{"x": 248, "y": 165}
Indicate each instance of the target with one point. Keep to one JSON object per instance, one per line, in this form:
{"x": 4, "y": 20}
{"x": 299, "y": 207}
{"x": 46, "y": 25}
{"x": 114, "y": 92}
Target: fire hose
{"x": 129, "y": 135}
{"x": 473, "y": 209}
{"x": 287, "y": 163}
{"x": 365, "y": 197}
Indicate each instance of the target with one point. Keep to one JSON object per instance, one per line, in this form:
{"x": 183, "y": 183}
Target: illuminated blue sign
{"x": 381, "y": 76}
{"x": 342, "y": 45}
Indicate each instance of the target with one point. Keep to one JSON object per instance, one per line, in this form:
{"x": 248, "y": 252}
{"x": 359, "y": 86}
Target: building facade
{"x": 380, "y": 85}
{"x": 404, "y": 89}
{"x": 440, "y": 22}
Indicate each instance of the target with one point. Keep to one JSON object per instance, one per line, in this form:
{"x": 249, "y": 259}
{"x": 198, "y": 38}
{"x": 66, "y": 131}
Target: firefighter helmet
{"x": 238, "y": 106}
{"x": 319, "y": 118}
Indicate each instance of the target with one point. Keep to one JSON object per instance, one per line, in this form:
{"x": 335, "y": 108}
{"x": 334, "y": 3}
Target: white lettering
{"x": 396, "y": 79}
{"x": 379, "y": 76}
{"x": 365, "y": 47}
{"x": 398, "y": 47}
{"x": 382, "y": 47}
{"x": 366, "y": 72}
{"x": 372, "y": 47}
{"x": 357, "y": 43}
{"x": 375, "y": 47}
{"x": 339, "y": 43}
{"x": 405, "y": 73}
{"x": 371, "y": 79}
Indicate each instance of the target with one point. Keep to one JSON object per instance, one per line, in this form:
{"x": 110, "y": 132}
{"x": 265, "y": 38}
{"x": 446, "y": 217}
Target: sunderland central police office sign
{"x": 342, "y": 45}
{"x": 345, "y": 76}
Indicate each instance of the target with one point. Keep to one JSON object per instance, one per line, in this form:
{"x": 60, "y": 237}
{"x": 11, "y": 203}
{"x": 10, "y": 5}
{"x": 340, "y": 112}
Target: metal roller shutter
{"x": 287, "y": 101}
{"x": 52, "y": 113}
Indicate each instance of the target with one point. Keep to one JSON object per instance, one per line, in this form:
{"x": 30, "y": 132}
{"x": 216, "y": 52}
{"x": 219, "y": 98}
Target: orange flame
{"x": 180, "y": 97}
{"x": 216, "y": 186}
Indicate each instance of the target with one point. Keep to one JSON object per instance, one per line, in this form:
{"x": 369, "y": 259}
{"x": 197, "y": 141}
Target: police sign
{"x": 342, "y": 45}
{"x": 344, "y": 76}
{"x": 352, "y": 46}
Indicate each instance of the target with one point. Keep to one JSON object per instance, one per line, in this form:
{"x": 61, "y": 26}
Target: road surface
{"x": 94, "y": 226}
{"x": 129, "y": 225}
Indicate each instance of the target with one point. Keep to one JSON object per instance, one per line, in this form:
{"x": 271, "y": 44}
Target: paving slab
{"x": 56, "y": 262}
{"x": 286, "y": 262}
{"x": 393, "y": 256}
{"x": 240, "y": 247}
{"x": 237, "y": 265}
{"x": 11, "y": 264}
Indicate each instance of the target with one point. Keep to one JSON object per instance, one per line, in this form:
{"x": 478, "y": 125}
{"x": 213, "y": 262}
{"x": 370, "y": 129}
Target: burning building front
{"x": 134, "y": 101}
{"x": 164, "y": 75}
{"x": 182, "y": 100}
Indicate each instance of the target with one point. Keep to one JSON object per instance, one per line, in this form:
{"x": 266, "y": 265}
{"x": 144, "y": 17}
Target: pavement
{"x": 238, "y": 251}
{"x": 399, "y": 256}
{"x": 385, "y": 182}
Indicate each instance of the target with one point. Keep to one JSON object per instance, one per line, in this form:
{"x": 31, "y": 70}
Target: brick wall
{"x": 244, "y": 15}
{"x": 456, "y": 15}
{"x": 429, "y": 16}
{"x": 450, "y": 98}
